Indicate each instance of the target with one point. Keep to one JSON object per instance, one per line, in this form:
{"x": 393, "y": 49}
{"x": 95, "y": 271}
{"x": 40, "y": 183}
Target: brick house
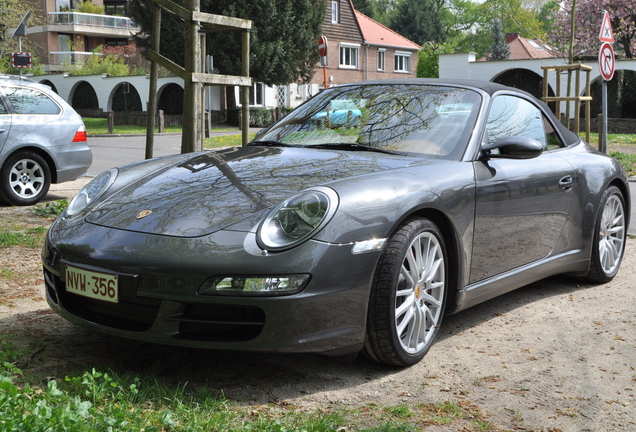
{"x": 362, "y": 49}
{"x": 359, "y": 49}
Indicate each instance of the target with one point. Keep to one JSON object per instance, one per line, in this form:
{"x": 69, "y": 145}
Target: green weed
{"x": 628, "y": 161}
{"x": 51, "y": 209}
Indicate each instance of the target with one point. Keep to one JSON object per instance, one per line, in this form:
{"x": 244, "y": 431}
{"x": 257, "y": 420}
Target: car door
{"x": 5, "y": 123}
{"x": 522, "y": 205}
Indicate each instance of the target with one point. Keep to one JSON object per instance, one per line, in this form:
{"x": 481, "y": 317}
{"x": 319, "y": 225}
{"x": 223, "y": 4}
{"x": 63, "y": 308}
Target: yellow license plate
{"x": 100, "y": 286}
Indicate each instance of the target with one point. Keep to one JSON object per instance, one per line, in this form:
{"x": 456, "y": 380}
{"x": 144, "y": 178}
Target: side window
{"x": 513, "y": 116}
{"x": 554, "y": 140}
{"x": 29, "y": 101}
{"x": 3, "y": 109}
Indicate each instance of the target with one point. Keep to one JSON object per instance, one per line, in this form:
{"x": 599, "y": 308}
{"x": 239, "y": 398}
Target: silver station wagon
{"x": 42, "y": 141}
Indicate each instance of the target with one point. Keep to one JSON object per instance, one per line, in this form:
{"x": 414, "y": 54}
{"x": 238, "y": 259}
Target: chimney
{"x": 511, "y": 36}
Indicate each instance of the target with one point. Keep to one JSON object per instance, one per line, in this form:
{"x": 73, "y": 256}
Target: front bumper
{"x": 159, "y": 278}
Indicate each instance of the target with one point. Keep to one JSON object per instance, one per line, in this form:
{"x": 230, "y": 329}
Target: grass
{"x": 225, "y": 141}
{"x": 19, "y": 236}
{"x": 96, "y": 400}
{"x": 628, "y": 160}
{"x": 99, "y": 126}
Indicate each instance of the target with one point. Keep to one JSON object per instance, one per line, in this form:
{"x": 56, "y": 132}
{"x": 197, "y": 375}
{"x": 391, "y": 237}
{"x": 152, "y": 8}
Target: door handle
{"x": 565, "y": 184}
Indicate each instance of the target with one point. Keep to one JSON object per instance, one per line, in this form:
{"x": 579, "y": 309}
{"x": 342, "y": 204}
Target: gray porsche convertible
{"x": 345, "y": 237}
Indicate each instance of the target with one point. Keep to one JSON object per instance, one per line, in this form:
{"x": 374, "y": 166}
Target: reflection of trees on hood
{"x": 213, "y": 190}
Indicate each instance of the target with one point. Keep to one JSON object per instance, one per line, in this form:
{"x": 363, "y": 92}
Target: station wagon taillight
{"x": 80, "y": 135}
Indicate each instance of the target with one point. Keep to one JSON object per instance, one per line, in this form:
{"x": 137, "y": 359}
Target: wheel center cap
{"x": 418, "y": 292}
{"x": 24, "y": 178}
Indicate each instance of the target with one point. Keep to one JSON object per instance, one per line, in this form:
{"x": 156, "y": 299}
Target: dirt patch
{"x": 555, "y": 355}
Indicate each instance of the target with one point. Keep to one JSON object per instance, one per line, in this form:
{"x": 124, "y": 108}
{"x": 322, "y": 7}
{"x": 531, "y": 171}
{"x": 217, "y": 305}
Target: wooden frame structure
{"x": 196, "y": 24}
{"x": 577, "y": 98}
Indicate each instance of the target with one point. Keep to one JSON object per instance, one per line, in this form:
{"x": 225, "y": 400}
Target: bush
{"x": 259, "y": 117}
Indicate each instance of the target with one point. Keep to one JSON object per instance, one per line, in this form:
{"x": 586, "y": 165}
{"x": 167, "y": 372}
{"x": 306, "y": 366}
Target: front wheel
{"x": 408, "y": 295}
{"x": 24, "y": 179}
{"x": 609, "y": 237}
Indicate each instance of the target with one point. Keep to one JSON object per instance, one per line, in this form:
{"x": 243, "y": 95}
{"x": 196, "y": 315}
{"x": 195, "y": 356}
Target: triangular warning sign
{"x": 606, "y": 34}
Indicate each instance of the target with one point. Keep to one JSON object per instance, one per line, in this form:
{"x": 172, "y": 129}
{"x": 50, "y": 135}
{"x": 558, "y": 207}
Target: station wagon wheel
{"x": 408, "y": 295}
{"x": 609, "y": 237}
{"x": 24, "y": 179}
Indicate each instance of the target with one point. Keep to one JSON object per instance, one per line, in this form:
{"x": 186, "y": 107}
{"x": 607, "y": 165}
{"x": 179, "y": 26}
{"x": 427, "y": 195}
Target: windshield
{"x": 406, "y": 118}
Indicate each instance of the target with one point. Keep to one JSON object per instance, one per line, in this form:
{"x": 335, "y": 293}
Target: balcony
{"x": 91, "y": 24}
{"x": 69, "y": 57}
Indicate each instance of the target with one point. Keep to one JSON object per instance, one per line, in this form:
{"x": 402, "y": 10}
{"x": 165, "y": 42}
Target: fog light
{"x": 254, "y": 286}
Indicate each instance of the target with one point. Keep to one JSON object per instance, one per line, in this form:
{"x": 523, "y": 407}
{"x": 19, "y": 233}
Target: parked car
{"x": 336, "y": 241}
{"x": 42, "y": 141}
{"x": 338, "y": 113}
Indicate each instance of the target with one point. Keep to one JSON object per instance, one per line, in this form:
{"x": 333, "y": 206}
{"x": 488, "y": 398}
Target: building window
{"x": 402, "y": 61}
{"x": 335, "y": 12}
{"x": 381, "y": 56}
{"x": 257, "y": 94}
{"x": 116, "y": 42}
{"x": 65, "y": 42}
{"x": 349, "y": 56}
{"x": 62, "y": 5}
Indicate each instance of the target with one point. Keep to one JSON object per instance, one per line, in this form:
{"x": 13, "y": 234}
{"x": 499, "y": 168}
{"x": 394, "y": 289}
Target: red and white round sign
{"x": 606, "y": 61}
{"x": 322, "y": 46}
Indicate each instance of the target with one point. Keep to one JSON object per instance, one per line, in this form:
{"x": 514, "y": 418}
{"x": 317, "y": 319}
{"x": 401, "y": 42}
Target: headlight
{"x": 91, "y": 191}
{"x": 297, "y": 218}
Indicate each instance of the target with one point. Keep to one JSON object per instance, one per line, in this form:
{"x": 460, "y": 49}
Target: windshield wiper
{"x": 354, "y": 147}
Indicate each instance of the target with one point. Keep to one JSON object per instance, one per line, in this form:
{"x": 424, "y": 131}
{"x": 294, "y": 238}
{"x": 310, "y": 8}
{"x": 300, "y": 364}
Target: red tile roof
{"x": 522, "y": 48}
{"x": 375, "y": 33}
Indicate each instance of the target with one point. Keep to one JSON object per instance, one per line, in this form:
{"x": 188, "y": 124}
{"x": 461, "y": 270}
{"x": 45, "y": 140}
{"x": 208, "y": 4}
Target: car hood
{"x": 214, "y": 190}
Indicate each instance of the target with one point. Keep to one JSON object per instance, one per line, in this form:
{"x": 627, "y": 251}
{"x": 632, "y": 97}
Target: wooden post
{"x": 577, "y": 104}
{"x": 111, "y": 122}
{"x": 189, "y": 139}
{"x": 154, "y": 76}
{"x": 245, "y": 91}
{"x": 202, "y": 117}
{"x": 162, "y": 121}
{"x": 588, "y": 92}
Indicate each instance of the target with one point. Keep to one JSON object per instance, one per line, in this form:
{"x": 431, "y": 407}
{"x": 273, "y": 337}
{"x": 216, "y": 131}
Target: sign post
{"x": 606, "y": 65}
{"x": 322, "y": 50}
{"x": 18, "y": 33}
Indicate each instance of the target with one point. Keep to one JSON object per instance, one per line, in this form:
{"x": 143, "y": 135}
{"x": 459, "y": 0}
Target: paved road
{"x": 113, "y": 151}
{"x": 109, "y": 152}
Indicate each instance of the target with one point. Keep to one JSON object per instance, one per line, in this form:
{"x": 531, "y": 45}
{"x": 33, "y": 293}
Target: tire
{"x": 609, "y": 237}
{"x": 408, "y": 295}
{"x": 25, "y": 179}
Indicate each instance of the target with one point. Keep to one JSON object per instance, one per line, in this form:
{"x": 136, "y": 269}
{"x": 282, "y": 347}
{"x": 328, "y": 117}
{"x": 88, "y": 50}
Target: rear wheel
{"x": 408, "y": 295}
{"x": 609, "y": 237}
{"x": 24, "y": 179}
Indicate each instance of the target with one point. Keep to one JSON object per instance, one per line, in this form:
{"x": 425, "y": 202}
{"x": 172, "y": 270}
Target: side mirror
{"x": 512, "y": 147}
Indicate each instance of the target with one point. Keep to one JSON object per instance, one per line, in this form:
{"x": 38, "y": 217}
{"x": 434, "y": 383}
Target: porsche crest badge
{"x": 142, "y": 214}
